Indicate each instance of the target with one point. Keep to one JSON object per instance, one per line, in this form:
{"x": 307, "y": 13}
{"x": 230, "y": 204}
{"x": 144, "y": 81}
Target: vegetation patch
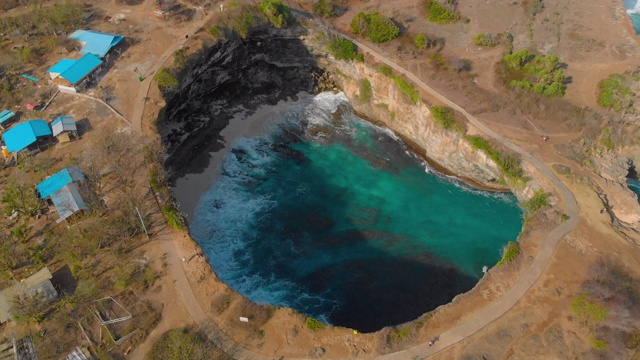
{"x": 314, "y": 324}
{"x": 445, "y": 117}
{"x": 537, "y": 202}
{"x": 174, "y": 219}
{"x": 342, "y": 49}
{"x": 441, "y": 13}
{"x": 509, "y": 253}
{"x": 421, "y": 41}
{"x": 167, "y": 82}
{"x": 615, "y": 91}
{"x": 405, "y": 87}
{"x": 589, "y": 311}
{"x": 323, "y": 8}
{"x": 276, "y": 12}
{"x": 598, "y": 344}
{"x": 365, "y": 90}
{"x": 486, "y": 40}
{"x": 541, "y": 74}
{"x": 178, "y": 344}
{"x": 510, "y": 164}
{"x": 377, "y": 28}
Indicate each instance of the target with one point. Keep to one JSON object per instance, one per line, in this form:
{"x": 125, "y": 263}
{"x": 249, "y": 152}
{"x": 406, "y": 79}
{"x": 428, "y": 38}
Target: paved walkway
{"x": 532, "y": 274}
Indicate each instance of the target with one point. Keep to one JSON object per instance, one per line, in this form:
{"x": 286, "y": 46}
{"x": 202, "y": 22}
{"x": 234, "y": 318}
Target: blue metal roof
{"x": 81, "y": 68}
{"x": 62, "y": 66}
{"x": 5, "y": 115}
{"x": 95, "y": 42}
{"x": 59, "y": 180}
{"x": 68, "y": 200}
{"x": 24, "y": 134}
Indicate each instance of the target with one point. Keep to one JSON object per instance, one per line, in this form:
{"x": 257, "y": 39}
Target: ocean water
{"x": 634, "y": 185}
{"x": 633, "y": 9}
{"x": 337, "y": 219}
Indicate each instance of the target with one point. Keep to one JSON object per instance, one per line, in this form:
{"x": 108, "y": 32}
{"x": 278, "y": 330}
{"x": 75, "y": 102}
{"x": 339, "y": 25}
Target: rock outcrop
{"x": 234, "y": 77}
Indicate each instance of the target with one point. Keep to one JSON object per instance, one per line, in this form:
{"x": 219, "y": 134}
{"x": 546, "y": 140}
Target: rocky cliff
{"x": 413, "y": 122}
{"x": 233, "y": 77}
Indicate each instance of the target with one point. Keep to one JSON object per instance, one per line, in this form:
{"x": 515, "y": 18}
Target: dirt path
{"x": 143, "y": 90}
{"x": 524, "y": 283}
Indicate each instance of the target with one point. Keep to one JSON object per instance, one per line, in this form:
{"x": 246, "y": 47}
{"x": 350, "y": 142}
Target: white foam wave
{"x": 632, "y": 8}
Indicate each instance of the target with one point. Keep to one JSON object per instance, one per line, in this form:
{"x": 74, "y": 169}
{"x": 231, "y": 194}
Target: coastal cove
{"x": 338, "y": 219}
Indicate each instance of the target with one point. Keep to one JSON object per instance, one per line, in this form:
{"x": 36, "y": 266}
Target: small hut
{"x": 37, "y": 285}
{"x": 64, "y": 129}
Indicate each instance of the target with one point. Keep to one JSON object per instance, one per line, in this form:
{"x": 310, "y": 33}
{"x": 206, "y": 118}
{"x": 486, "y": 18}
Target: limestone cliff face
{"x": 413, "y": 122}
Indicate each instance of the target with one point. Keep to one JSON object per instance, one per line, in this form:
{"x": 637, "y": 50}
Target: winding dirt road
{"x": 452, "y": 336}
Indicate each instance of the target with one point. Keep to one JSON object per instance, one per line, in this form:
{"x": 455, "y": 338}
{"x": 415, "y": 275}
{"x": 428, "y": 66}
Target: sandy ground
{"x": 605, "y": 44}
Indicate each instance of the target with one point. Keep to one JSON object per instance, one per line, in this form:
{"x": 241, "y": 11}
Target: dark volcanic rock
{"x": 234, "y": 77}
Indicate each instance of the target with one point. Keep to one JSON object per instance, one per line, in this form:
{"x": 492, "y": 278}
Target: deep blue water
{"x": 633, "y": 9}
{"x": 634, "y": 185}
{"x": 337, "y": 219}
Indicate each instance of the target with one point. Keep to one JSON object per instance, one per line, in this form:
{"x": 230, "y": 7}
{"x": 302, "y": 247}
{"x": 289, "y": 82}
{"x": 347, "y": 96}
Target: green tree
{"x": 374, "y": 26}
{"x": 277, "y": 12}
{"x": 421, "y": 41}
{"x": 166, "y": 81}
{"x": 441, "y": 13}
{"x": 342, "y": 49}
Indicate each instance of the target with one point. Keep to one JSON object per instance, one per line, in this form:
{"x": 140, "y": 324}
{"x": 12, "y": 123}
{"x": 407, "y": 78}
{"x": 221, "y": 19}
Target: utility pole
{"x": 142, "y": 222}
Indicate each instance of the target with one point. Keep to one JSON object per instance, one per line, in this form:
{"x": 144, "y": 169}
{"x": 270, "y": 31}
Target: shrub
{"x": 584, "y": 309}
{"x": 441, "y": 14}
{"x": 386, "y": 70}
{"x": 612, "y": 92}
{"x": 173, "y": 217}
{"x": 359, "y": 57}
{"x": 277, "y": 12}
{"x": 343, "y": 49}
{"x": 606, "y": 138}
{"x": 407, "y": 89}
{"x": 537, "y": 73}
{"x": 374, "y": 26}
{"x": 537, "y": 202}
{"x": 509, "y": 253}
{"x": 598, "y": 344}
{"x": 323, "y": 8}
{"x": 215, "y": 30}
{"x": 420, "y": 41}
{"x": 166, "y": 80}
{"x": 184, "y": 343}
{"x": 366, "y": 90}
{"x": 487, "y": 40}
{"x": 314, "y": 324}
{"x": 443, "y": 116}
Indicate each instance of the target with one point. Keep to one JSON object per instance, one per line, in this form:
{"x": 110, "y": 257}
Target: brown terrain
{"x": 593, "y": 39}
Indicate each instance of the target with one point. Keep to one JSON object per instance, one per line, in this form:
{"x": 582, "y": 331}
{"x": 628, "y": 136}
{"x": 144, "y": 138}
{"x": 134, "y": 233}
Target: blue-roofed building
{"x": 59, "y": 180}
{"x": 62, "y": 188}
{"x": 25, "y": 134}
{"x": 5, "y": 116}
{"x": 95, "y": 42}
{"x": 69, "y": 74}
